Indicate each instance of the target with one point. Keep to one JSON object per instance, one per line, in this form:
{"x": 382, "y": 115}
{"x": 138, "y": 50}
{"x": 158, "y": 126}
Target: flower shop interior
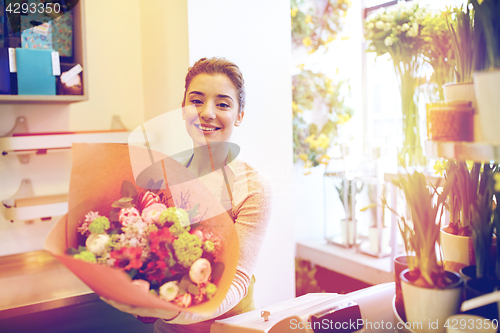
{"x": 373, "y": 119}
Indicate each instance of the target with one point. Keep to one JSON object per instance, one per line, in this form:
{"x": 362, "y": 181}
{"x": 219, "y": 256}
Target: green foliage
{"x": 353, "y": 188}
{"x": 421, "y": 233}
{"x": 86, "y": 256}
{"x": 488, "y": 18}
{"x": 305, "y": 281}
{"x": 312, "y": 90}
{"x": 316, "y": 23}
{"x": 175, "y": 215}
{"x": 187, "y": 249}
{"x": 99, "y": 225}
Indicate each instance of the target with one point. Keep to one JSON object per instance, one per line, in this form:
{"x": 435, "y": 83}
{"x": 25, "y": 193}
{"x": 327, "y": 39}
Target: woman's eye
{"x": 223, "y": 105}
{"x": 196, "y": 101}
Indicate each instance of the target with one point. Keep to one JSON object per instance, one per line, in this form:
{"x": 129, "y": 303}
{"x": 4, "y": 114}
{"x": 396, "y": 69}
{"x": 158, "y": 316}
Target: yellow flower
{"x": 330, "y": 39}
{"x": 308, "y": 164}
{"x": 324, "y": 159}
{"x": 311, "y": 51}
{"x": 301, "y": 67}
{"x": 496, "y": 177}
{"x": 307, "y": 41}
{"x": 323, "y": 141}
{"x": 330, "y": 90}
{"x": 344, "y": 118}
{"x": 294, "y": 11}
{"x": 308, "y": 19}
{"x": 303, "y": 157}
{"x": 312, "y": 142}
{"x": 440, "y": 167}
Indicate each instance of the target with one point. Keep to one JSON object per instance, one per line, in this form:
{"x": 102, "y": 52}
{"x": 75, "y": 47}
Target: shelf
{"x": 347, "y": 261}
{"x": 42, "y": 141}
{"x": 27, "y": 209}
{"x": 80, "y": 57}
{"x": 475, "y": 151}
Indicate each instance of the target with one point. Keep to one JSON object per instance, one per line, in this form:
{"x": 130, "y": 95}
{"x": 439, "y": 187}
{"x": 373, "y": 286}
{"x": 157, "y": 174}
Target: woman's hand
{"x": 143, "y": 312}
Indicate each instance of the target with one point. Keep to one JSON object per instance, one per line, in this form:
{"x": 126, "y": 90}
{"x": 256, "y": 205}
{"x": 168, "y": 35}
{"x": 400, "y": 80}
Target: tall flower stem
{"x": 411, "y": 151}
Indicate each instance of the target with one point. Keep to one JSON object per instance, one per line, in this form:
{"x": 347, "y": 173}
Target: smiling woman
{"x": 213, "y": 106}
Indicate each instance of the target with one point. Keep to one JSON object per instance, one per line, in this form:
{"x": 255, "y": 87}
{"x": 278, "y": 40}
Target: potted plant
{"x": 378, "y": 232}
{"x": 487, "y": 83}
{"x": 466, "y": 44}
{"x": 482, "y": 216}
{"x": 430, "y": 293}
{"x": 348, "y": 191}
{"x": 456, "y": 238}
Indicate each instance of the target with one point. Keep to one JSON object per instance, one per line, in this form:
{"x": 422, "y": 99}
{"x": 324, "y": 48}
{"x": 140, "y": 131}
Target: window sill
{"x": 346, "y": 261}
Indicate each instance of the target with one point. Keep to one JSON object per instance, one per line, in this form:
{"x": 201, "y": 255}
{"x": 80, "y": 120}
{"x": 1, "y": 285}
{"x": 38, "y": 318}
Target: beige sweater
{"x": 251, "y": 209}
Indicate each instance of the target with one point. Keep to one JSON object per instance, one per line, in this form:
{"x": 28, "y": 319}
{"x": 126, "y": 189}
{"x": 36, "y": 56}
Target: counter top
{"x": 36, "y": 281}
{"x": 347, "y": 261}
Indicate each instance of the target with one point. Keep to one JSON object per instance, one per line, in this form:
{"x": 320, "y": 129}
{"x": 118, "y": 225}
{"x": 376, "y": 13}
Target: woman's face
{"x": 211, "y": 109}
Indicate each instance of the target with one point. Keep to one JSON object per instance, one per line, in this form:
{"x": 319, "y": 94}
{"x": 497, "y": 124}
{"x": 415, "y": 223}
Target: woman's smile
{"x": 211, "y": 109}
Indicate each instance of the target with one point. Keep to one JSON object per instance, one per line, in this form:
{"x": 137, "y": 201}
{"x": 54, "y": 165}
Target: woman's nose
{"x": 207, "y": 111}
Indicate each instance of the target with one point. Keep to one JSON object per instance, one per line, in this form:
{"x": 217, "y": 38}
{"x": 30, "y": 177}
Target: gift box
{"x": 37, "y": 32}
{"x": 97, "y": 174}
{"x": 34, "y": 72}
{"x": 62, "y": 36}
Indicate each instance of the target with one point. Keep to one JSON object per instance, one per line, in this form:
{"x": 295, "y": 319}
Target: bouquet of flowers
{"x": 164, "y": 249}
{"x": 152, "y": 247}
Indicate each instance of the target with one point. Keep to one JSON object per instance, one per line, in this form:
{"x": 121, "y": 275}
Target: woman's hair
{"x": 218, "y": 66}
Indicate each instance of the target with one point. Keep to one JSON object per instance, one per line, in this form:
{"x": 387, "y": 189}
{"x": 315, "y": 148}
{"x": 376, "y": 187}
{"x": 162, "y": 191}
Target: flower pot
{"x": 455, "y": 248}
{"x": 347, "y": 227}
{"x": 430, "y": 305}
{"x": 379, "y": 240}
{"x": 486, "y": 85}
{"x": 478, "y": 287}
{"x": 465, "y": 92}
{"x": 400, "y": 264}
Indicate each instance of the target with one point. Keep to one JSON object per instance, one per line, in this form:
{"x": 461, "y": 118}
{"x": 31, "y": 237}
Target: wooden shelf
{"x": 475, "y": 151}
{"x": 33, "y": 143}
{"x": 26, "y": 209}
{"x": 80, "y": 57}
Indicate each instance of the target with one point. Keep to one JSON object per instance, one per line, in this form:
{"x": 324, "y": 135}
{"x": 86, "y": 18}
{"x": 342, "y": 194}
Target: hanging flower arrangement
{"x": 318, "y": 22}
{"x": 316, "y": 91}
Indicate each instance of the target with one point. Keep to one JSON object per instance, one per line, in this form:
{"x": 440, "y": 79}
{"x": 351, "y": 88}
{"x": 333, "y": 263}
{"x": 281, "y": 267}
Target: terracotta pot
{"x": 430, "y": 305}
{"x": 486, "y": 85}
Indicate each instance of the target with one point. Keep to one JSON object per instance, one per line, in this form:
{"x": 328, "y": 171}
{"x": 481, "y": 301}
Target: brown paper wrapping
{"x": 97, "y": 174}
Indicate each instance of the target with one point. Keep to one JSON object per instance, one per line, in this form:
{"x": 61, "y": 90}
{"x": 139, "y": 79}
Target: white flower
{"x": 370, "y": 25}
{"x": 387, "y": 26}
{"x": 413, "y": 32}
{"x": 380, "y": 25}
{"x": 405, "y": 27}
{"x": 96, "y": 243}
{"x": 372, "y": 48}
{"x": 169, "y": 291}
{"x": 388, "y": 41}
{"x": 200, "y": 271}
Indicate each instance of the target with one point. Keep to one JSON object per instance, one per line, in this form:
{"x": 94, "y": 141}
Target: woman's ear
{"x": 239, "y": 118}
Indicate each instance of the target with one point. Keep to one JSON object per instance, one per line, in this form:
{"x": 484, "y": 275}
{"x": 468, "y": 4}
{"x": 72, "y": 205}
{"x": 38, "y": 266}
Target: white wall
{"x": 256, "y": 36}
{"x": 115, "y": 86}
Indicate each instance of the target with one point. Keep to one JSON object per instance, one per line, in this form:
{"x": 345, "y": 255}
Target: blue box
{"x": 34, "y": 72}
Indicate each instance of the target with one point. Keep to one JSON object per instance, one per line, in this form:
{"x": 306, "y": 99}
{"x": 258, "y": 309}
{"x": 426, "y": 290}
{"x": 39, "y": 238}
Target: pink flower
{"x": 128, "y": 216}
{"x": 143, "y": 285}
{"x": 200, "y": 271}
{"x": 183, "y": 300}
{"x": 198, "y": 233}
{"x": 84, "y": 227}
{"x": 151, "y": 214}
{"x": 148, "y": 199}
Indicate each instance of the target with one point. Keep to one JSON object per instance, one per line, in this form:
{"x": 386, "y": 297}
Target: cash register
{"x": 364, "y": 311}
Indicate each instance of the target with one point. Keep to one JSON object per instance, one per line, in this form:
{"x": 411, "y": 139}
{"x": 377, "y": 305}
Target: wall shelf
{"x": 80, "y": 57}
{"x": 475, "y": 151}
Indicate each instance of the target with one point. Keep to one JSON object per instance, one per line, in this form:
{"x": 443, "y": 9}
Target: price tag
{"x": 66, "y": 76}
{"x": 12, "y": 60}
{"x": 56, "y": 66}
